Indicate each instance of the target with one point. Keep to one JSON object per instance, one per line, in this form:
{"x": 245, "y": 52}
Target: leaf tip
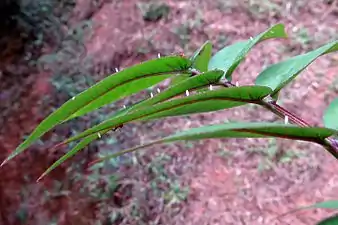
{"x": 92, "y": 163}
{"x": 11, "y": 156}
{"x": 42, "y": 176}
{"x": 3, "y": 162}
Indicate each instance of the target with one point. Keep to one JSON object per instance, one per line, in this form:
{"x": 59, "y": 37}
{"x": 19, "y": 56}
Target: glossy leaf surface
{"x": 231, "y": 56}
{"x": 279, "y": 75}
{"x": 331, "y": 115}
{"x": 114, "y": 87}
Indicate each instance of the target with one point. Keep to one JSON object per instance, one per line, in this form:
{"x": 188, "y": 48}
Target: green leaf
{"x": 114, "y": 87}
{"x": 201, "y": 57}
{"x": 331, "y": 115}
{"x": 332, "y": 220}
{"x": 135, "y": 79}
{"x": 247, "y": 130}
{"x": 212, "y": 101}
{"x": 279, "y": 75}
{"x": 227, "y": 130}
{"x": 191, "y": 83}
{"x": 331, "y": 204}
{"x": 198, "y": 103}
{"x": 231, "y": 56}
{"x": 82, "y": 144}
{"x": 240, "y": 130}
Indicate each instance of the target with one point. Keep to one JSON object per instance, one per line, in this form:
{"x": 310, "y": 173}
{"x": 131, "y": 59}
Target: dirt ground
{"x": 230, "y": 181}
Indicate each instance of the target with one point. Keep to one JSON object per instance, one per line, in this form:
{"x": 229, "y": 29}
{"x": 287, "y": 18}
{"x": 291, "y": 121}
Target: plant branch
{"x": 330, "y": 144}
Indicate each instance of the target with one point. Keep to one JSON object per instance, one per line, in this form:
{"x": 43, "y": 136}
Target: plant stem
{"x": 281, "y": 112}
{"x": 330, "y": 144}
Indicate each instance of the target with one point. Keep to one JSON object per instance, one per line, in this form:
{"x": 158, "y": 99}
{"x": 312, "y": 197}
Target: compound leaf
{"x": 114, "y": 87}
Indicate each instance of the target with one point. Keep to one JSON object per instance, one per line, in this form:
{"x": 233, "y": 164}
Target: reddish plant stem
{"x": 330, "y": 144}
{"x": 282, "y": 112}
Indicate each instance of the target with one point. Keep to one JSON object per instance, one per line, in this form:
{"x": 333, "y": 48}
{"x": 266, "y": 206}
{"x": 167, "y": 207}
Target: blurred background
{"x": 52, "y": 50}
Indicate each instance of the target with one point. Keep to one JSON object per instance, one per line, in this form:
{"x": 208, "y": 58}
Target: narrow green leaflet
{"x": 247, "y": 130}
{"x": 331, "y": 204}
{"x": 240, "y": 130}
{"x": 231, "y": 56}
{"x": 114, "y": 87}
{"x": 213, "y": 101}
{"x": 135, "y": 79}
{"x": 204, "y": 102}
{"x": 191, "y": 83}
{"x": 201, "y": 57}
{"x": 81, "y": 145}
{"x": 332, "y": 220}
{"x": 331, "y": 115}
{"x": 279, "y": 75}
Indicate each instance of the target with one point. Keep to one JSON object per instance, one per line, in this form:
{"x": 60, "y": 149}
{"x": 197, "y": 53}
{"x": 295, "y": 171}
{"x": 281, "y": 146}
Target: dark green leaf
{"x": 191, "y": 83}
{"x": 331, "y": 204}
{"x": 135, "y": 79}
{"x": 201, "y": 57}
{"x": 331, "y": 115}
{"x": 279, "y": 75}
{"x": 198, "y": 103}
{"x": 200, "y": 61}
{"x": 212, "y": 101}
{"x": 231, "y": 56}
{"x": 332, "y": 220}
{"x": 253, "y": 130}
{"x": 240, "y": 130}
{"x": 119, "y": 85}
